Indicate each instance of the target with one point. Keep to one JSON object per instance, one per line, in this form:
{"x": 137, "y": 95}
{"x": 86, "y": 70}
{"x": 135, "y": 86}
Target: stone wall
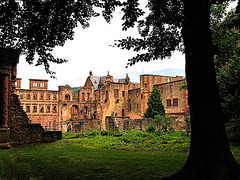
{"x": 83, "y": 125}
{"x": 126, "y": 123}
{"x": 22, "y": 131}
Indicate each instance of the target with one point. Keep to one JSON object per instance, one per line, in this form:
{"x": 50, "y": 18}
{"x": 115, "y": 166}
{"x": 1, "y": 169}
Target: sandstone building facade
{"x": 104, "y": 102}
{"x": 15, "y": 126}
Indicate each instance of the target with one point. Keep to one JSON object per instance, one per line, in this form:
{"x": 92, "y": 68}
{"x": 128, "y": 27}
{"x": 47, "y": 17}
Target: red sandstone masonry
{"x": 111, "y": 98}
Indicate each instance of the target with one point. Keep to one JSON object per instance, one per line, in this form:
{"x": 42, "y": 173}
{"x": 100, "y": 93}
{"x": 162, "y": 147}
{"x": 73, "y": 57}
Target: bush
{"x": 151, "y": 128}
{"x": 233, "y": 132}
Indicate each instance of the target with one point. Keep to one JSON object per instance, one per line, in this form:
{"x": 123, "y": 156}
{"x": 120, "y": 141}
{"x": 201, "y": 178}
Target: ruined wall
{"x": 135, "y": 98}
{"x": 41, "y": 106}
{"x": 126, "y": 123}
{"x": 114, "y": 100}
{"x": 8, "y": 63}
{"x": 83, "y": 125}
{"x": 22, "y": 131}
{"x": 111, "y": 97}
{"x": 174, "y": 99}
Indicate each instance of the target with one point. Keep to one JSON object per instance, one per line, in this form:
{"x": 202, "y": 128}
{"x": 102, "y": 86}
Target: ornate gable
{"x": 88, "y": 83}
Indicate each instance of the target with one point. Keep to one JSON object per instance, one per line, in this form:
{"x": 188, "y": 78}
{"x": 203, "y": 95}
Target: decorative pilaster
{"x": 4, "y": 114}
{"x": 4, "y": 99}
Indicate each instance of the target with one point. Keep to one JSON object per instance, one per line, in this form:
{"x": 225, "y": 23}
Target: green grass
{"x": 134, "y": 155}
{"x": 67, "y": 159}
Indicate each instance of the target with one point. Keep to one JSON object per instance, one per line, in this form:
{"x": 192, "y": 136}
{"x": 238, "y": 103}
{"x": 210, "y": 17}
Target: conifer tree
{"x": 155, "y": 106}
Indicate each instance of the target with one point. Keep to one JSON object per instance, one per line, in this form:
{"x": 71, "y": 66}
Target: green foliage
{"x": 36, "y": 27}
{"x": 151, "y": 128}
{"x": 187, "y": 125}
{"x": 158, "y": 120}
{"x": 183, "y": 85}
{"x": 165, "y": 123}
{"x": 233, "y": 132}
{"x": 155, "y": 106}
{"x": 159, "y": 32}
{"x": 69, "y": 159}
{"x": 134, "y": 140}
{"x": 227, "y": 63}
{"x": 104, "y": 157}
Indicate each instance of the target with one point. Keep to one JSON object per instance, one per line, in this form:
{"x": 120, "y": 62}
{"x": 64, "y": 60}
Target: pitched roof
{"x": 97, "y": 81}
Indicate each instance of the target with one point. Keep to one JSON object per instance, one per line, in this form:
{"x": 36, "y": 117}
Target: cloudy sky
{"x": 90, "y": 50}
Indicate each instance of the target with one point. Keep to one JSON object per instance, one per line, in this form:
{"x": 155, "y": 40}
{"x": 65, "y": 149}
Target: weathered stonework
{"x": 91, "y": 106}
{"x": 15, "y": 127}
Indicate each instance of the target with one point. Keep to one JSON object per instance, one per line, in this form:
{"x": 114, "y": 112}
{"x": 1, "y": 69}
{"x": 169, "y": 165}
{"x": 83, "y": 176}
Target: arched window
{"x": 67, "y": 97}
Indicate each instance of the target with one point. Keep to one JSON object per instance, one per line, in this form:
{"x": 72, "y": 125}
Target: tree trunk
{"x": 210, "y": 156}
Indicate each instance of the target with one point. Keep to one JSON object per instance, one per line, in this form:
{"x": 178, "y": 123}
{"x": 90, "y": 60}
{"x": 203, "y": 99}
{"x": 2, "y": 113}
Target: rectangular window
{"x": 41, "y": 110}
{"x": 28, "y": 96}
{"x": 161, "y": 89}
{"x": 35, "y": 96}
{"x": 146, "y": 85}
{"x": 107, "y": 95}
{"x": 27, "y": 109}
{"x": 123, "y": 93}
{"x": 16, "y": 84}
{"x": 54, "y": 97}
{"x": 34, "y": 109}
{"x": 83, "y": 96}
{"x": 42, "y": 84}
{"x": 175, "y": 102}
{"x": 54, "y": 109}
{"x": 21, "y": 95}
{"x": 42, "y": 97}
{"x": 48, "y": 109}
{"x": 48, "y": 97}
{"x": 115, "y": 93}
{"x": 34, "y": 84}
{"x": 170, "y": 88}
{"x": 169, "y": 102}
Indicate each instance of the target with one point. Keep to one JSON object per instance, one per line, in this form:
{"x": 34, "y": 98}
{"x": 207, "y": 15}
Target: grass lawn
{"x": 68, "y": 160}
{"x": 94, "y": 157}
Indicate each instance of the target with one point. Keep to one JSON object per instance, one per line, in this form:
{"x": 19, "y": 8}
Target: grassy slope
{"x": 136, "y": 155}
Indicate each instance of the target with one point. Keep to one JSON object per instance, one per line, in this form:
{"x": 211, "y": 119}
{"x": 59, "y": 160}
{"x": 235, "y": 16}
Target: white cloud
{"x": 90, "y": 50}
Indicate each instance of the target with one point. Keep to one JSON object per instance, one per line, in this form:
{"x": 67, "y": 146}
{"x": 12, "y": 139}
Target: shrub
{"x": 233, "y": 132}
{"x": 151, "y": 128}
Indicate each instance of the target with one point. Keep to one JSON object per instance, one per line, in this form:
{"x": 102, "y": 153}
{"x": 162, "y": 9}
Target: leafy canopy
{"x": 160, "y": 31}
{"x": 227, "y": 60}
{"x": 37, "y": 26}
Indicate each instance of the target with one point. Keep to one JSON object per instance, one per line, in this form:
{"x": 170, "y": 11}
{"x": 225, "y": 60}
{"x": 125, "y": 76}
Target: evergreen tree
{"x": 155, "y": 106}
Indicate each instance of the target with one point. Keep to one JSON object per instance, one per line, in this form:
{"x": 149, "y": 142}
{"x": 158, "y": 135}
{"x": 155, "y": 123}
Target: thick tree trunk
{"x": 210, "y": 156}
